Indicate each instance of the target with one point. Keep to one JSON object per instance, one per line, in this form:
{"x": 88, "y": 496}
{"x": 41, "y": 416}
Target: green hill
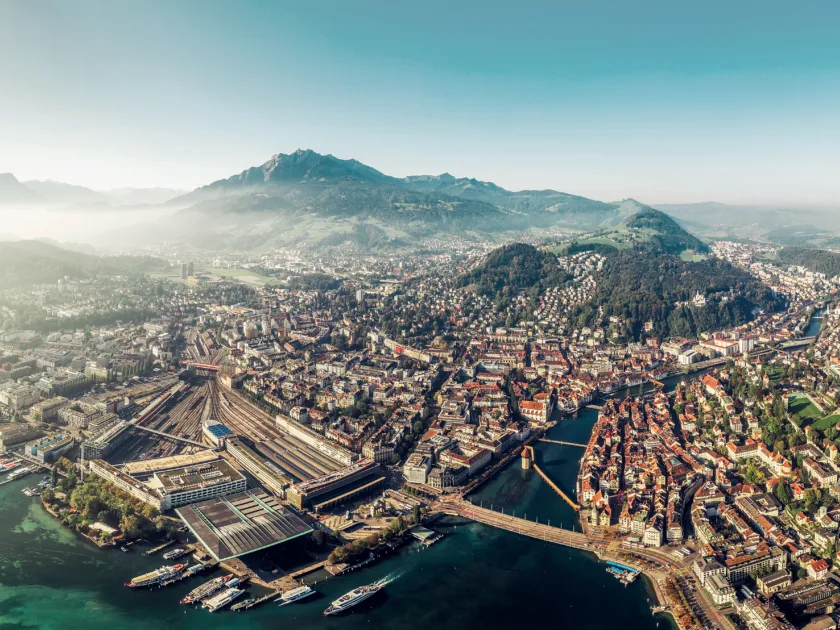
{"x": 508, "y": 270}
{"x": 665, "y": 233}
{"x": 23, "y": 263}
{"x": 643, "y": 285}
{"x": 816, "y": 260}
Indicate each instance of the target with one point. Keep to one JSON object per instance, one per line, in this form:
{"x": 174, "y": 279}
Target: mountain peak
{"x": 13, "y": 192}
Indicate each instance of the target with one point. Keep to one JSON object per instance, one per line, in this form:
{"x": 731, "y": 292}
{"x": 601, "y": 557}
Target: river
{"x": 815, "y": 323}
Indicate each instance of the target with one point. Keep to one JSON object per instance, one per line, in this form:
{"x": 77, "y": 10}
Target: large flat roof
{"x": 148, "y": 466}
{"x": 242, "y": 523}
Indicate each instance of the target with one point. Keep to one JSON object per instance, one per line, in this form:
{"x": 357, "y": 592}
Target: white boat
{"x": 353, "y": 598}
{"x": 295, "y": 594}
{"x": 222, "y": 599}
{"x": 157, "y": 576}
{"x": 207, "y": 589}
{"x": 20, "y": 472}
{"x": 174, "y": 554}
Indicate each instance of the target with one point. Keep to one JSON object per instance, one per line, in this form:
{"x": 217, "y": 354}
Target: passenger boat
{"x": 295, "y": 594}
{"x": 353, "y": 598}
{"x": 157, "y": 576}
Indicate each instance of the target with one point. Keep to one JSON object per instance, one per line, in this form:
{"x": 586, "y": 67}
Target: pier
{"x": 561, "y": 442}
{"x": 159, "y": 547}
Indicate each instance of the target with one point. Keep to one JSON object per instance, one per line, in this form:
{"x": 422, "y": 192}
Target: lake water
{"x": 476, "y": 577}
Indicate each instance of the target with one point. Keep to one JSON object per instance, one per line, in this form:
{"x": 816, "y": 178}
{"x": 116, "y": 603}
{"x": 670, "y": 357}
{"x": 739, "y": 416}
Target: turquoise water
{"x": 476, "y": 577}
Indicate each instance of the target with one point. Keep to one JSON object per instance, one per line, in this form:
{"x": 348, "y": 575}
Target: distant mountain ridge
{"x": 14, "y": 192}
{"x": 308, "y": 197}
{"x": 49, "y": 193}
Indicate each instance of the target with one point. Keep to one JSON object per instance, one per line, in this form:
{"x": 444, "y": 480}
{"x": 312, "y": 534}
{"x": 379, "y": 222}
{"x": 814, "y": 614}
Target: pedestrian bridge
{"x": 561, "y": 442}
{"x": 547, "y": 479}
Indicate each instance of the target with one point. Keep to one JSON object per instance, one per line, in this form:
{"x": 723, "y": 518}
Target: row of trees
{"x": 355, "y": 551}
{"x": 96, "y": 500}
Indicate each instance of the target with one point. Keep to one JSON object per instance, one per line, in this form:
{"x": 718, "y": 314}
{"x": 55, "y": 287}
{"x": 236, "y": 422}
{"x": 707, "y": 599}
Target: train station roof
{"x": 242, "y": 523}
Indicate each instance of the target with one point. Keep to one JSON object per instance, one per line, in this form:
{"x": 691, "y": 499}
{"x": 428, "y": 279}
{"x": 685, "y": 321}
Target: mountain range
{"x": 309, "y": 199}
{"x": 48, "y": 193}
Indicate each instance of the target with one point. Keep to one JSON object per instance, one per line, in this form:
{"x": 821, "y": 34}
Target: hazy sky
{"x": 734, "y": 101}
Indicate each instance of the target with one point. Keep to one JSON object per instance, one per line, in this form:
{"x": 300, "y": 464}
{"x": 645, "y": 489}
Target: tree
{"x": 338, "y": 556}
{"x": 812, "y": 500}
{"x": 782, "y": 493}
{"x": 416, "y": 514}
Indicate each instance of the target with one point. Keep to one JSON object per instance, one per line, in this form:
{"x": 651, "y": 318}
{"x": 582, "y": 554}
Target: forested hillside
{"x": 23, "y": 263}
{"x": 816, "y": 260}
{"x": 510, "y": 269}
{"x": 640, "y": 286}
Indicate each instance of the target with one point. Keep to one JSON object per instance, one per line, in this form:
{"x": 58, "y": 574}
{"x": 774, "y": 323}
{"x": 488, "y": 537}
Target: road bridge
{"x": 549, "y": 533}
{"x": 177, "y": 438}
{"x": 802, "y": 341}
{"x": 204, "y": 366}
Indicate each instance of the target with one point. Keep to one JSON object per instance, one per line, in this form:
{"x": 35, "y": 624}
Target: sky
{"x": 662, "y": 101}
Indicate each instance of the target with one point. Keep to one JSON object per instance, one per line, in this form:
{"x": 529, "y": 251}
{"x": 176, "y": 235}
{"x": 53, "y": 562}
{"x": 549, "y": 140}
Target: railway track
{"x": 293, "y": 456}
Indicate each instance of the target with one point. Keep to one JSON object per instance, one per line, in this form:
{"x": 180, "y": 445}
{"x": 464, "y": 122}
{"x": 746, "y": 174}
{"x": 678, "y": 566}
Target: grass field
{"x": 243, "y": 275}
{"x": 804, "y": 408}
{"x": 824, "y": 423}
{"x": 689, "y": 255}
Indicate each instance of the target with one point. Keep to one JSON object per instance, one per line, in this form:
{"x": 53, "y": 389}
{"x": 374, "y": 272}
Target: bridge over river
{"x": 547, "y": 532}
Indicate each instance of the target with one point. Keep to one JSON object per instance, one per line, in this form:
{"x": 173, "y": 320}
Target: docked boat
{"x": 20, "y": 472}
{"x": 353, "y": 598}
{"x": 245, "y": 604}
{"x": 174, "y": 554}
{"x": 157, "y": 576}
{"x": 295, "y": 594}
{"x": 207, "y": 589}
{"x": 221, "y": 600}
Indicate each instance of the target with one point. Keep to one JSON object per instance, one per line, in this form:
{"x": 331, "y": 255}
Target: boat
{"x": 353, "y": 598}
{"x": 295, "y": 594}
{"x": 20, "y": 472}
{"x": 174, "y": 554}
{"x": 157, "y": 576}
{"x": 221, "y": 600}
{"x": 196, "y": 568}
{"x": 124, "y": 549}
{"x": 245, "y": 604}
{"x": 207, "y": 589}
